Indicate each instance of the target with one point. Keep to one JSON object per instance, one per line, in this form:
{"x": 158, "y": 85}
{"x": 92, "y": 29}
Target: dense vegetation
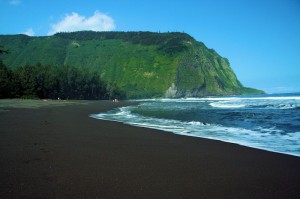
{"x": 169, "y": 43}
{"x": 63, "y": 82}
{"x": 136, "y": 64}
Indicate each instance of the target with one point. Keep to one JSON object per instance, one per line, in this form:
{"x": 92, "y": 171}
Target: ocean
{"x": 270, "y": 122}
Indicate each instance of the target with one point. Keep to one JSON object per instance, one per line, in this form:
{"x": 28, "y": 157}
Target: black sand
{"x": 59, "y": 152}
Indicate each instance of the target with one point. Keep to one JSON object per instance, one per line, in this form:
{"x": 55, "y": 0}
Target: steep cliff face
{"x": 142, "y": 64}
{"x": 201, "y": 71}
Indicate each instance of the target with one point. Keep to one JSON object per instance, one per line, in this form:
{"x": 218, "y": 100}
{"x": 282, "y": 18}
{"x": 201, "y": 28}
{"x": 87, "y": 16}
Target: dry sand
{"x": 59, "y": 152}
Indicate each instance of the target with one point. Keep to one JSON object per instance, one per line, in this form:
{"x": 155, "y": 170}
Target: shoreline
{"x": 61, "y": 152}
{"x": 196, "y": 136}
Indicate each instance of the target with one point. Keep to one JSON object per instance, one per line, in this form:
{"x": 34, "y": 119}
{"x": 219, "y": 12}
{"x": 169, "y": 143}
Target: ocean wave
{"x": 197, "y": 123}
{"x": 233, "y": 98}
{"x": 264, "y": 104}
{"x": 265, "y": 122}
{"x": 226, "y": 105}
{"x": 243, "y": 105}
{"x": 297, "y": 98}
{"x": 270, "y": 139}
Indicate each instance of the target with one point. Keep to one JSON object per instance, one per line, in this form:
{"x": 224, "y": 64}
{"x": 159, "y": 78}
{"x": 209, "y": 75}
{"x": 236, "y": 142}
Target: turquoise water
{"x": 269, "y": 122}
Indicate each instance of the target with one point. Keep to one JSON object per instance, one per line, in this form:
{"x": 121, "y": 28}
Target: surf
{"x": 266, "y": 122}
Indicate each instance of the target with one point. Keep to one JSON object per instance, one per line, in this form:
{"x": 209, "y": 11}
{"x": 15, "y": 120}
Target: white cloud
{"x": 29, "y": 32}
{"x": 14, "y": 2}
{"x": 76, "y": 22}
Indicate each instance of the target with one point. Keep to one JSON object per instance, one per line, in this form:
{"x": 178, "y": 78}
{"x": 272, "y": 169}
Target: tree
{"x": 5, "y": 77}
{"x": 2, "y": 51}
{"x": 9, "y": 87}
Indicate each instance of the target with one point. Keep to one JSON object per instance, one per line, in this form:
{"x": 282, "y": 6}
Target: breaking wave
{"x": 269, "y": 123}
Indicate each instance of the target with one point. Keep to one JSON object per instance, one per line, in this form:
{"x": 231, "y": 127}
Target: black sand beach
{"x": 60, "y": 152}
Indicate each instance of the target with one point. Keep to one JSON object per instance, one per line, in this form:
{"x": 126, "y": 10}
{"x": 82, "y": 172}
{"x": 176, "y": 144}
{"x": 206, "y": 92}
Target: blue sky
{"x": 261, "y": 38}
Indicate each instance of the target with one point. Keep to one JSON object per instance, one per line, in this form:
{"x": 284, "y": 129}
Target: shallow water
{"x": 269, "y": 122}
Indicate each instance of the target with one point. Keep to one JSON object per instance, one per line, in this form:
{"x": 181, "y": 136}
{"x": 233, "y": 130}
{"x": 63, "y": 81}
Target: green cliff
{"x": 141, "y": 64}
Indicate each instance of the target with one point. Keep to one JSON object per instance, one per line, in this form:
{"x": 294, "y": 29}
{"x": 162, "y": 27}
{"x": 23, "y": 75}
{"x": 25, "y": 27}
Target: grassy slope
{"x": 137, "y": 69}
{"x": 142, "y": 69}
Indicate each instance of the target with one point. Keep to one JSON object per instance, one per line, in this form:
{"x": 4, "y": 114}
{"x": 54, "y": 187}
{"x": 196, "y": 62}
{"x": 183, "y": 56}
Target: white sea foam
{"x": 196, "y": 123}
{"x": 260, "y": 136}
{"x": 274, "y": 98}
{"x": 226, "y": 105}
{"x": 277, "y": 103}
{"x": 271, "y": 102}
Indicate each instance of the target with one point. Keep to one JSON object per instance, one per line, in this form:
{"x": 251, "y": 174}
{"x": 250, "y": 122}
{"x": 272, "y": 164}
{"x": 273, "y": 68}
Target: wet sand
{"x": 60, "y": 152}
